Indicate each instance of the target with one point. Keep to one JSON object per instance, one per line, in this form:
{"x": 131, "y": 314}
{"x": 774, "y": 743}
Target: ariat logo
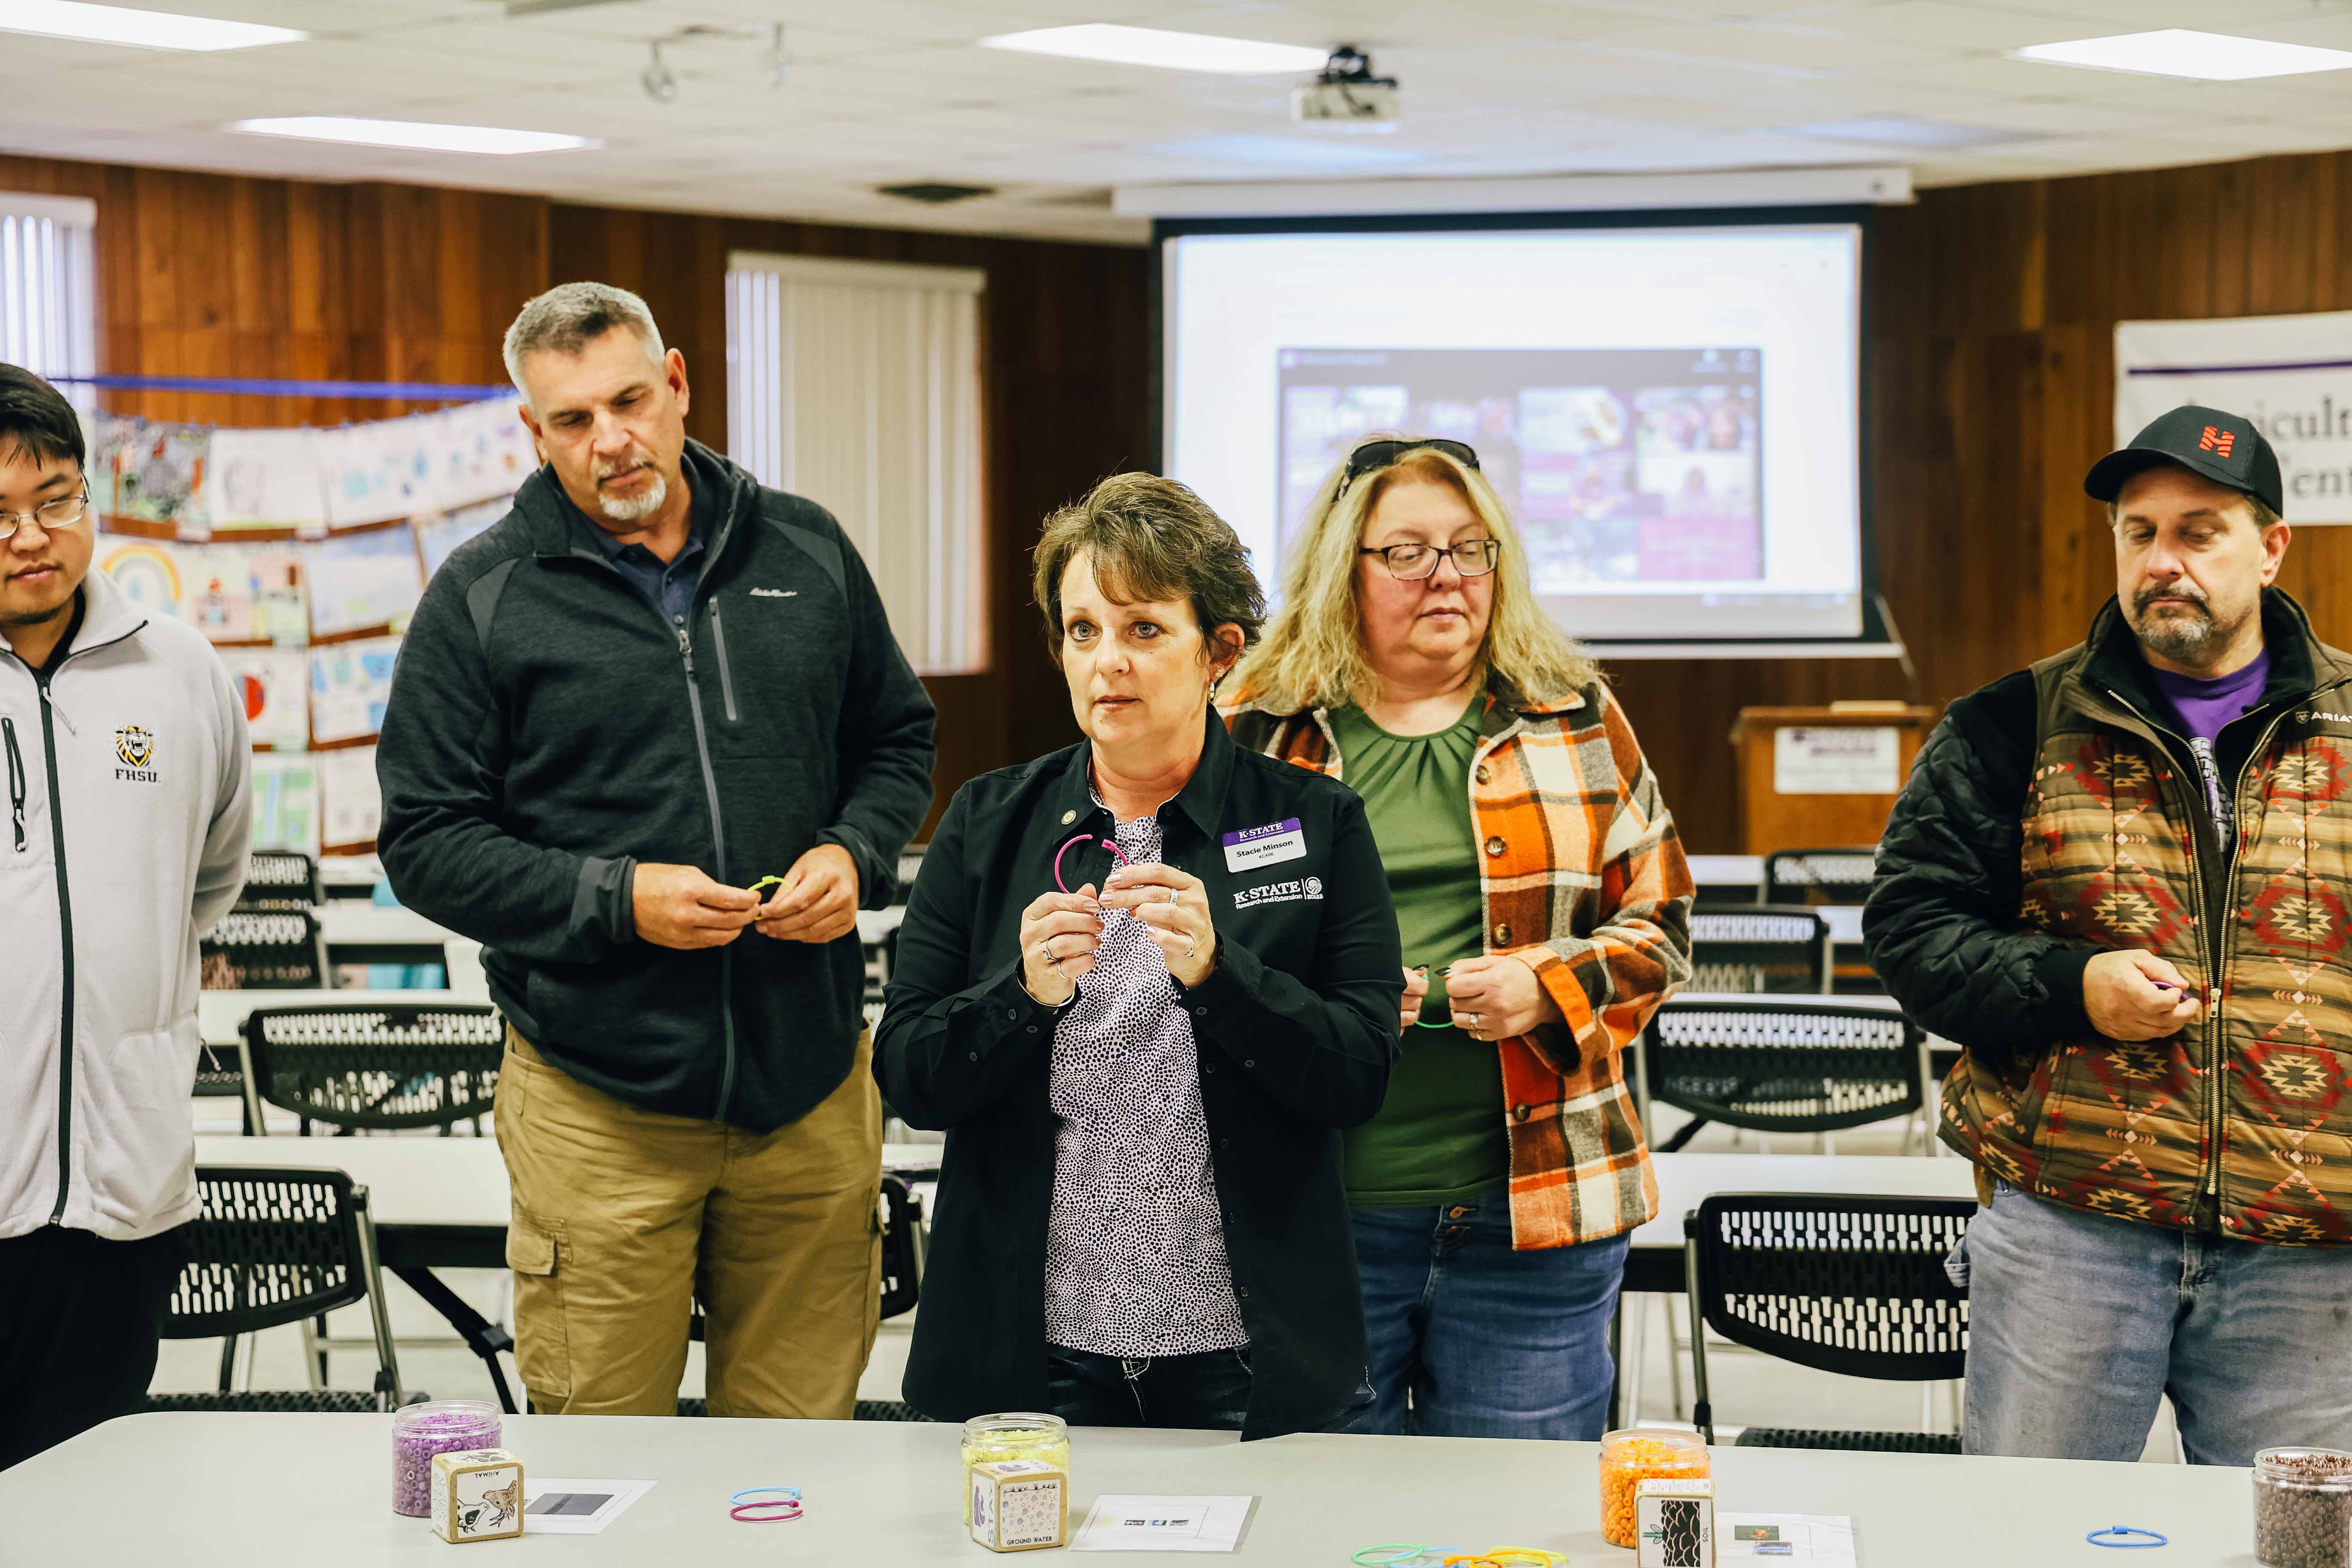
{"x": 775, "y": 593}
{"x": 136, "y": 747}
{"x": 2216, "y": 441}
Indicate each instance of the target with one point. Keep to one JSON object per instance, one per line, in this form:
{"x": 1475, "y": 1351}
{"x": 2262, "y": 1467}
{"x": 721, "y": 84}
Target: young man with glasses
{"x": 127, "y": 767}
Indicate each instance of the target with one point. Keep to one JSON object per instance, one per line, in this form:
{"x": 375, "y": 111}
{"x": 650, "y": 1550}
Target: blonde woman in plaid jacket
{"x": 1544, "y": 904}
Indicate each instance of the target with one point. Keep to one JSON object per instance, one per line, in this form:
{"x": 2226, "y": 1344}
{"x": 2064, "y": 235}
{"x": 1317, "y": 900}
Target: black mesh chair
{"x": 264, "y": 950}
{"x": 1850, "y": 1285}
{"x": 270, "y": 1246}
{"x": 1819, "y": 876}
{"x": 1776, "y": 1067}
{"x": 1753, "y": 948}
{"x": 386, "y": 1067}
{"x": 280, "y": 879}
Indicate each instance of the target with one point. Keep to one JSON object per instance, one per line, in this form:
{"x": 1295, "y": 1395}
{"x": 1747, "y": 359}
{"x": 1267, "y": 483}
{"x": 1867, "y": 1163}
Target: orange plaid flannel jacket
{"x": 1583, "y": 879}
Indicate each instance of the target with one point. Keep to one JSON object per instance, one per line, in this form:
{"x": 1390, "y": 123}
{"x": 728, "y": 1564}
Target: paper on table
{"x": 1127, "y": 1524}
{"x": 1783, "y": 1538}
{"x": 575, "y": 1508}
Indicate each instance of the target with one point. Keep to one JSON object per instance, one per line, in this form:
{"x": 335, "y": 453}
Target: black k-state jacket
{"x": 1296, "y": 1028}
{"x": 547, "y": 730}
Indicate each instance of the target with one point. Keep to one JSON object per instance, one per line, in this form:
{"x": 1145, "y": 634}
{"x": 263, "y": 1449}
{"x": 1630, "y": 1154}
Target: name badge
{"x": 1269, "y": 845}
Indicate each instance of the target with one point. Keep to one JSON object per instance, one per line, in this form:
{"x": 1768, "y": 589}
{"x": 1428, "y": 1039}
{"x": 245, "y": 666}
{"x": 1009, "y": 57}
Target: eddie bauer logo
{"x": 136, "y": 747}
{"x": 1289, "y": 892}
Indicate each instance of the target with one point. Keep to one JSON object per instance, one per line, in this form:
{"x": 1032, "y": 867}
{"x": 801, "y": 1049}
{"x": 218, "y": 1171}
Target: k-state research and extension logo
{"x": 136, "y": 747}
{"x": 1284, "y": 892}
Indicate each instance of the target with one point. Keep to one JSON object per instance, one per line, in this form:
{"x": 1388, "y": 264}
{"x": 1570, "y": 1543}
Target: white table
{"x": 1728, "y": 870}
{"x": 259, "y": 1491}
{"x": 347, "y": 922}
{"x": 221, "y": 1015}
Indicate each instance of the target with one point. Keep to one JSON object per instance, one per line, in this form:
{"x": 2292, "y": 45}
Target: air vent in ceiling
{"x": 935, "y": 193}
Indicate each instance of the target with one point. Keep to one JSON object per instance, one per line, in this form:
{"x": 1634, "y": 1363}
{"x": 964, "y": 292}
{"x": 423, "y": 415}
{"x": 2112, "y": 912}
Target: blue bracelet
{"x": 790, "y": 1493}
{"x": 2153, "y": 1538}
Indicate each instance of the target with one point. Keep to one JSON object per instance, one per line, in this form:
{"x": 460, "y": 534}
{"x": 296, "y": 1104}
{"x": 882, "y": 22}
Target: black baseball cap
{"x": 2224, "y": 448}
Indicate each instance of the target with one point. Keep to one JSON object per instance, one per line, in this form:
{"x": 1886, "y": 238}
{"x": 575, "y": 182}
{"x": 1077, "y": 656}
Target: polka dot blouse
{"x": 1135, "y": 1247}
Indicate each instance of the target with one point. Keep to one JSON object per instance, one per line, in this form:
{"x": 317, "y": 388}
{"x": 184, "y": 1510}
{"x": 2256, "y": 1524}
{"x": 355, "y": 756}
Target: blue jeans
{"x": 1488, "y": 1342}
{"x": 2078, "y": 1321}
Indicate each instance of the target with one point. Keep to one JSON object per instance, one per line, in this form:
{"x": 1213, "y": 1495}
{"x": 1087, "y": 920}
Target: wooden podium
{"x": 1820, "y": 778}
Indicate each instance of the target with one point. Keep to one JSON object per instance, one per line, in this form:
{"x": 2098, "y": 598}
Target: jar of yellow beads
{"x": 1016, "y": 1435}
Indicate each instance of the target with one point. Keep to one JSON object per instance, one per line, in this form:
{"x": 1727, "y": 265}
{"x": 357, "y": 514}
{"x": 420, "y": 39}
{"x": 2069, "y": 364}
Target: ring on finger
{"x": 1191, "y": 944}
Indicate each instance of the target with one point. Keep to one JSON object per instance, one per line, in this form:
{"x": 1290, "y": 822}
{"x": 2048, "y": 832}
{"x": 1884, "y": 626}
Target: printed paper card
{"x": 350, "y": 684}
{"x": 577, "y": 1508}
{"x": 1127, "y": 1523}
{"x": 1821, "y": 1539}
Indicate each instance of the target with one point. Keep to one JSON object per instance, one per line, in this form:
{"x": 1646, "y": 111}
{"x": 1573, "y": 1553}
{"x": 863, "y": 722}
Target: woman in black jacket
{"x": 1140, "y": 1220}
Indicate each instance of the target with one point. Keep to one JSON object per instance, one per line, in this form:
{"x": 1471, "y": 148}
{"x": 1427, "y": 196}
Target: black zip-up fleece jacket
{"x": 547, "y": 730}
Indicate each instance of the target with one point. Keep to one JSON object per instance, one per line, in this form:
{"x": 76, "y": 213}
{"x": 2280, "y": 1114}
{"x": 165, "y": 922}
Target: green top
{"x": 1439, "y": 1136}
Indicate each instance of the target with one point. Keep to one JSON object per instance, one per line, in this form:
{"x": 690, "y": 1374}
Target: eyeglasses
{"x": 1375, "y": 455}
{"x": 62, "y": 512}
{"x": 1412, "y": 563}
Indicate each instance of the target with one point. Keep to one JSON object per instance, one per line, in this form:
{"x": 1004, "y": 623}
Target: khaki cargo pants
{"x": 624, "y": 1218}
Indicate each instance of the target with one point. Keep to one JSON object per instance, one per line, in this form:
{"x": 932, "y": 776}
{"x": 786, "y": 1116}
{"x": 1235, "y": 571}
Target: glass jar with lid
{"x": 2303, "y": 1507}
{"x": 434, "y": 1426}
{"x": 1630, "y": 1457}
{"x": 1014, "y": 1434}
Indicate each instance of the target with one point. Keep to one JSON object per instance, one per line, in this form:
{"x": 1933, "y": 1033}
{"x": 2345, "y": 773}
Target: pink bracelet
{"x": 749, "y": 1512}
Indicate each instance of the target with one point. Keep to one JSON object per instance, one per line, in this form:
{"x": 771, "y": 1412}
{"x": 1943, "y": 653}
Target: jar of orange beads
{"x": 1628, "y": 1459}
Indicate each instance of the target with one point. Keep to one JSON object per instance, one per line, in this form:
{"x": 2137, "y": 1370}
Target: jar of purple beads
{"x": 436, "y": 1426}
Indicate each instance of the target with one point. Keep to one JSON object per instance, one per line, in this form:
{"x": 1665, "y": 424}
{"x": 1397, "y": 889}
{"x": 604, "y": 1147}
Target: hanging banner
{"x": 2290, "y": 376}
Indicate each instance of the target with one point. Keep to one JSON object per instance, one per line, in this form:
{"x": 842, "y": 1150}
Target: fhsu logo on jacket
{"x": 136, "y": 747}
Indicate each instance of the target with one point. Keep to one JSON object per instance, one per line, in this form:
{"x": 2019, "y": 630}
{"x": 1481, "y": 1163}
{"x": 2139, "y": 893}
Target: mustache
{"x": 614, "y": 470}
{"x": 2186, "y": 591}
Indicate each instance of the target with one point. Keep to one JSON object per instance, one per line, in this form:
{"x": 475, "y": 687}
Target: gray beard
{"x": 643, "y": 506}
{"x": 2190, "y": 639}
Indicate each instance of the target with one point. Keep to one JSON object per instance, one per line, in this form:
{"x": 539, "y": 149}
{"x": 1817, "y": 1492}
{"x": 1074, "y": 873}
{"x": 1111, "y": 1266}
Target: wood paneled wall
{"x": 1991, "y": 376}
{"x": 216, "y": 274}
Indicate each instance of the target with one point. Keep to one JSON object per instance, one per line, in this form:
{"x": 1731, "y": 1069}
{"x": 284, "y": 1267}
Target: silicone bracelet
{"x": 1110, "y": 844}
{"x": 1398, "y": 1551}
{"x": 747, "y": 1513}
{"x": 792, "y": 1492}
{"x": 1515, "y": 1556}
{"x": 2153, "y": 1538}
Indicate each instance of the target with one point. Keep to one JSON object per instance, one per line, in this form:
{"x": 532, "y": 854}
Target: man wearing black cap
{"x": 2118, "y": 878}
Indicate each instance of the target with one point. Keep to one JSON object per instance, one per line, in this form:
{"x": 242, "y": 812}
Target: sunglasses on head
{"x": 1376, "y": 454}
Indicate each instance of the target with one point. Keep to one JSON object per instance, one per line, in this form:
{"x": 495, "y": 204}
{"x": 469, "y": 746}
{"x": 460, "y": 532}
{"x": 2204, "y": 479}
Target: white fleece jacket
{"x": 129, "y": 806}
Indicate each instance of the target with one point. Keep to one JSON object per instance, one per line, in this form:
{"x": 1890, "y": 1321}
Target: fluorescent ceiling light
{"x": 1156, "y": 47}
{"x": 1895, "y": 130}
{"x": 2180, "y": 51}
{"x": 414, "y": 133}
{"x": 141, "y": 29}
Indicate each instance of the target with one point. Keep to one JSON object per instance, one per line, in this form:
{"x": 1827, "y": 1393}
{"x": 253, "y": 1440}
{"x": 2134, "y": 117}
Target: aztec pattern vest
{"x": 2248, "y": 1108}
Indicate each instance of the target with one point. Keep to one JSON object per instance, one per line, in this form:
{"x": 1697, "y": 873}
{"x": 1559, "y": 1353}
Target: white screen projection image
{"x": 1672, "y": 414}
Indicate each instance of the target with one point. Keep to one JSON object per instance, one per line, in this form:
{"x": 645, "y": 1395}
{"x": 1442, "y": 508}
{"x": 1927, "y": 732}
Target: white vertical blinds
{"x": 48, "y": 302}
{"x": 857, "y": 385}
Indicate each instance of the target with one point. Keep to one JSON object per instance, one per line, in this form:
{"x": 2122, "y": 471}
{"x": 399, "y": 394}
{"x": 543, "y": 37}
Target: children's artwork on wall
{"x": 274, "y": 683}
{"x": 351, "y": 805}
{"x": 350, "y": 684}
{"x": 360, "y": 582}
{"x": 439, "y": 534}
{"x": 286, "y": 801}
{"x": 266, "y": 479}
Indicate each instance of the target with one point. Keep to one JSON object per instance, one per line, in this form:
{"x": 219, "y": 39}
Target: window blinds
{"x": 48, "y": 305}
{"x": 857, "y": 386}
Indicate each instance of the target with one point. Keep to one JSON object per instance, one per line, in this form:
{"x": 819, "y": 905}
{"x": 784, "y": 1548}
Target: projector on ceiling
{"x": 1348, "y": 95}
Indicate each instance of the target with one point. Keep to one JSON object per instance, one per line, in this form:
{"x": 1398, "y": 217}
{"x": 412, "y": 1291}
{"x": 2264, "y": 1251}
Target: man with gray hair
{"x": 656, "y": 708}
